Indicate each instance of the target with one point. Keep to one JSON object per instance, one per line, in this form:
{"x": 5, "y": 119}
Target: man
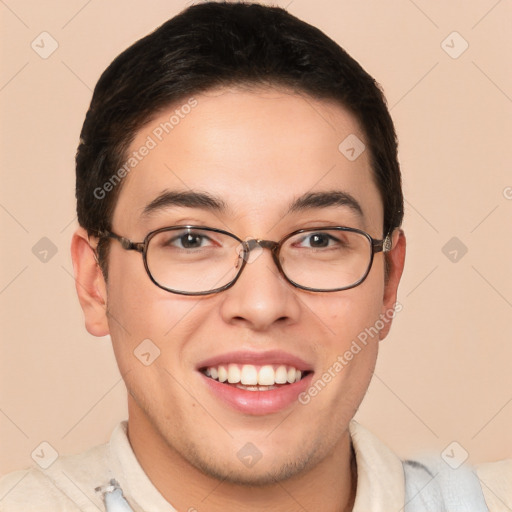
{"x": 239, "y": 201}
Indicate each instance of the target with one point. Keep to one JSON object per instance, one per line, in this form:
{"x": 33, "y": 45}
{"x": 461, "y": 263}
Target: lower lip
{"x": 258, "y": 402}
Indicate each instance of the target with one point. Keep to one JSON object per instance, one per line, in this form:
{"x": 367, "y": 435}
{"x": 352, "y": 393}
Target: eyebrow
{"x": 313, "y": 200}
{"x": 188, "y": 199}
{"x": 205, "y": 201}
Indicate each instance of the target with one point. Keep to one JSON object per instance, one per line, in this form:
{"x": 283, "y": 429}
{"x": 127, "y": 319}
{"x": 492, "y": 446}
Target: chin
{"x": 263, "y": 476}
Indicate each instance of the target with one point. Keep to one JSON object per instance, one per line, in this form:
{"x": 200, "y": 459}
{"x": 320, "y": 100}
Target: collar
{"x": 380, "y": 474}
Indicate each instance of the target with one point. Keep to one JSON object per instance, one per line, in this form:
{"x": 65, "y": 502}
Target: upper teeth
{"x": 248, "y": 374}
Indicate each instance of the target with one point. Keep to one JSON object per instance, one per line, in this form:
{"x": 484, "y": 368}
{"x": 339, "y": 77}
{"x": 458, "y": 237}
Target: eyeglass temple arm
{"x": 384, "y": 245}
{"x": 125, "y": 242}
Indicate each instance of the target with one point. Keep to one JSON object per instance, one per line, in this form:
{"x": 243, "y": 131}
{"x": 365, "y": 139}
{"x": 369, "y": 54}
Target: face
{"x": 256, "y": 153}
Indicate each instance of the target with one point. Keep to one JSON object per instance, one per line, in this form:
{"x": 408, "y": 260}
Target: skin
{"x": 258, "y": 150}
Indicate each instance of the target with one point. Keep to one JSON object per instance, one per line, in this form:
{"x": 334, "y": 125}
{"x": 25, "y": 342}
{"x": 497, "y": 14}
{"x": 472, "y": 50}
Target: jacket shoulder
{"x": 68, "y": 485}
{"x": 27, "y": 489}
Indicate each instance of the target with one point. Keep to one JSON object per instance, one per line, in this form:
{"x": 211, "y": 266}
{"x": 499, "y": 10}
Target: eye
{"x": 189, "y": 240}
{"x": 317, "y": 240}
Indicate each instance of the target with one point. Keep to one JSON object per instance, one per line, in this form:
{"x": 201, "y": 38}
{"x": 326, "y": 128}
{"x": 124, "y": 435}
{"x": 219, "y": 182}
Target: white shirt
{"x": 69, "y": 484}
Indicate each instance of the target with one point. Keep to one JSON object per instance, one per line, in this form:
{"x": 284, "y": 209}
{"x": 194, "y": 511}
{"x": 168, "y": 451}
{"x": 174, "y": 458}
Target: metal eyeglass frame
{"x": 377, "y": 246}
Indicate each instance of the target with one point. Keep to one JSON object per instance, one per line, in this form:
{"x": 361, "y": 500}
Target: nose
{"x": 261, "y": 297}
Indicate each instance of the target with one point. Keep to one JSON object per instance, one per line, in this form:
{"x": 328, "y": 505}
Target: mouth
{"x": 250, "y": 377}
{"x": 256, "y": 383}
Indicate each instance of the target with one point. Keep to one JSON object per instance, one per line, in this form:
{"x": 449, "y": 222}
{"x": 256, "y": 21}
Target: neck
{"x": 330, "y": 485}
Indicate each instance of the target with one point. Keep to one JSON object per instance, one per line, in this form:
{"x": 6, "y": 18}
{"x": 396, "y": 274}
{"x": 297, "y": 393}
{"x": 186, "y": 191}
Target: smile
{"x": 256, "y": 383}
{"x": 254, "y": 377}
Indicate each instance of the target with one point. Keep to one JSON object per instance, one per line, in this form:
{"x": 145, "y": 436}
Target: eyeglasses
{"x": 199, "y": 260}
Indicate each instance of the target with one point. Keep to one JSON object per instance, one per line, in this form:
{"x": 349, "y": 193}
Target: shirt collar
{"x": 380, "y": 475}
{"x": 136, "y": 485}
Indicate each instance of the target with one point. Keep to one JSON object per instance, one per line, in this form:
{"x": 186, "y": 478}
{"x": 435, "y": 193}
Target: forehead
{"x": 257, "y": 150}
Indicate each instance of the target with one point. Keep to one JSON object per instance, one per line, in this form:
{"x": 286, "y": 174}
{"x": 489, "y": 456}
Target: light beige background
{"x": 444, "y": 373}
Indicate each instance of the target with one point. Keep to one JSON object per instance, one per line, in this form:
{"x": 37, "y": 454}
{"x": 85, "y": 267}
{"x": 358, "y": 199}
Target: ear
{"x": 90, "y": 284}
{"x": 395, "y": 261}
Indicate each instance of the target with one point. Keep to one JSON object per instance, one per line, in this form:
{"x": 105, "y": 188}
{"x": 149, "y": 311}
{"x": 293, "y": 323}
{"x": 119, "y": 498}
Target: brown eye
{"x": 319, "y": 240}
{"x": 187, "y": 240}
{"x": 191, "y": 241}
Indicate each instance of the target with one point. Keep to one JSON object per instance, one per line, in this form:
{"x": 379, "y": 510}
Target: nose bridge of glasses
{"x": 252, "y": 248}
{"x": 265, "y": 244}
{"x": 257, "y": 245}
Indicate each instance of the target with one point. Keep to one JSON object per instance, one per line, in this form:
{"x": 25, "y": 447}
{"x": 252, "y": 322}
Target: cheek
{"x": 348, "y": 349}
{"x": 349, "y": 313}
{"x": 139, "y": 311}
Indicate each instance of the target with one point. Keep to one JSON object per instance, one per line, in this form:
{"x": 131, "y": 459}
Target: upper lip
{"x": 256, "y": 358}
